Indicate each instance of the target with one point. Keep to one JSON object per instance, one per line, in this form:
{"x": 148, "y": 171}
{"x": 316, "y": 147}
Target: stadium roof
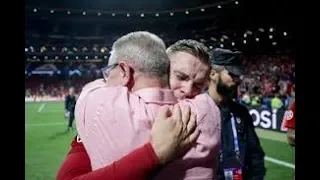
{"x": 262, "y": 12}
{"x": 219, "y": 22}
{"x": 122, "y": 5}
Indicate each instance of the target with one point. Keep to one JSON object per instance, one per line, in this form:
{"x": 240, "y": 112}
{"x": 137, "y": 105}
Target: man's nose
{"x": 187, "y": 90}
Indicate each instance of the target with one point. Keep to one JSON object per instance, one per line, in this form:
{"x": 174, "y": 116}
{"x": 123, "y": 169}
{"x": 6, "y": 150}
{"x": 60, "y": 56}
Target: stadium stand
{"x": 67, "y": 44}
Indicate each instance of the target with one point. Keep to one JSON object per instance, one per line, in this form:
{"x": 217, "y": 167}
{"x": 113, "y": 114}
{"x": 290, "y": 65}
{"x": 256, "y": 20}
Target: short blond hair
{"x": 192, "y": 47}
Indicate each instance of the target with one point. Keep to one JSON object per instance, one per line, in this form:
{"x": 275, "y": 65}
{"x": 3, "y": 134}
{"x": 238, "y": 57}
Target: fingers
{"x": 176, "y": 115}
{"x": 193, "y": 137}
{"x": 163, "y": 113}
{"x": 185, "y": 116}
{"x": 190, "y": 139}
{"x": 192, "y": 132}
{"x": 176, "y": 112}
{"x": 191, "y": 126}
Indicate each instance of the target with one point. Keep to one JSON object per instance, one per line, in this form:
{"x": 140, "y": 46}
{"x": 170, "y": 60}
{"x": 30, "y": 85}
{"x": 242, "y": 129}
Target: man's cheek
{"x": 173, "y": 84}
{"x": 178, "y": 94}
{"x": 195, "y": 92}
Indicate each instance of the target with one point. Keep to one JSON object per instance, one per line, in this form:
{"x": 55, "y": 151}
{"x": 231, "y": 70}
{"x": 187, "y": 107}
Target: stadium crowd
{"x": 269, "y": 81}
{"x": 59, "y": 45}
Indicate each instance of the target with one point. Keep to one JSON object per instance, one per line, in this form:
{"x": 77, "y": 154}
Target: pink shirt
{"x": 112, "y": 122}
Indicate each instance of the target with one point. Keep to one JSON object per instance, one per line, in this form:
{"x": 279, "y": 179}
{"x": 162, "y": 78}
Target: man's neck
{"x": 219, "y": 99}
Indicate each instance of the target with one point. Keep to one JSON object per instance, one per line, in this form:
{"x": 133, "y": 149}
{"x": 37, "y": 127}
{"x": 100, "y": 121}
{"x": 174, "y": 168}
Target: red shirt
{"x": 137, "y": 165}
{"x": 289, "y": 116}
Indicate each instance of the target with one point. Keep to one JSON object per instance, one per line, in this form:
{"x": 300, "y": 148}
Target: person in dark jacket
{"x": 70, "y": 104}
{"x": 241, "y": 155}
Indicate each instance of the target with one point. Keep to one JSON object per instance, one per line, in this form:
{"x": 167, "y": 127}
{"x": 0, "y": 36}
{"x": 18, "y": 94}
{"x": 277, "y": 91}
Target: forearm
{"x": 139, "y": 164}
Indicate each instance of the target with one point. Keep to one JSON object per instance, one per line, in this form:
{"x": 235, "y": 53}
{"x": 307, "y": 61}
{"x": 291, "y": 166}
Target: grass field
{"x": 47, "y": 144}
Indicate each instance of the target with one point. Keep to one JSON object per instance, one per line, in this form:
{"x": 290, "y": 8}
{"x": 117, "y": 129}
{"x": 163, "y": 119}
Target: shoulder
{"x": 239, "y": 107}
{"x": 241, "y": 111}
{"x": 77, "y": 145}
{"x": 99, "y": 89}
{"x": 203, "y": 105}
{"x": 208, "y": 123}
{"x": 204, "y": 101}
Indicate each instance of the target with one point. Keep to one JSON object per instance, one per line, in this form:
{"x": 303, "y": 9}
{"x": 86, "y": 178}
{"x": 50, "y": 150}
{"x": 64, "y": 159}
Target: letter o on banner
{"x": 256, "y": 116}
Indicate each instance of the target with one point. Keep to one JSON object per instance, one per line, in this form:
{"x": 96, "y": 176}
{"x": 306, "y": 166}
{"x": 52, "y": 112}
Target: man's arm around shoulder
{"x": 77, "y": 165}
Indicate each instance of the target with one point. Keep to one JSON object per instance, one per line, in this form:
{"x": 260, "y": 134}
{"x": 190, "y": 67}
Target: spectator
{"x": 276, "y": 102}
{"x": 268, "y": 74}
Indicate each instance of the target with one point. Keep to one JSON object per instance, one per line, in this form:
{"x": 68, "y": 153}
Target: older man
{"x": 172, "y": 132}
{"x": 189, "y": 68}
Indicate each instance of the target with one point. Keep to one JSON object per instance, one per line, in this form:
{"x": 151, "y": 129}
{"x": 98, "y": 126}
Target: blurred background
{"x": 67, "y": 42}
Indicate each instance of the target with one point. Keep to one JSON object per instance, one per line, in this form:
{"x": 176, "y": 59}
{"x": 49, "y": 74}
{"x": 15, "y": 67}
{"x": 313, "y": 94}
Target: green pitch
{"x": 47, "y": 143}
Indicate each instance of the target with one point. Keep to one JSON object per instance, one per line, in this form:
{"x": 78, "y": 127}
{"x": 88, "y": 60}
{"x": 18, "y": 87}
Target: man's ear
{"x": 126, "y": 74}
{"x": 214, "y": 76}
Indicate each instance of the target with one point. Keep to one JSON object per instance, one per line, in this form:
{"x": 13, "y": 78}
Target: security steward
{"x": 70, "y": 104}
{"x": 241, "y": 156}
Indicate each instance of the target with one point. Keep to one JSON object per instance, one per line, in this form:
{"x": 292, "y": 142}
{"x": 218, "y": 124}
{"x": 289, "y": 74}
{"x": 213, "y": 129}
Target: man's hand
{"x": 173, "y": 131}
{"x": 66, "y": 114}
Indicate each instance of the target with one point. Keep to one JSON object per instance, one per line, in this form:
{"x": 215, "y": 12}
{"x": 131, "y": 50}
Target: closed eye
{"x": 181, "y": 77}
{"x": 199, "y": 85}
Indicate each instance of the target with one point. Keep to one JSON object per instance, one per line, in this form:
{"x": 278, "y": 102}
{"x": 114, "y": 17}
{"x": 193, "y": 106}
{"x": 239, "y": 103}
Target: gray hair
{"x": 146, "y": 51}
{"x": 192, "y": 47}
